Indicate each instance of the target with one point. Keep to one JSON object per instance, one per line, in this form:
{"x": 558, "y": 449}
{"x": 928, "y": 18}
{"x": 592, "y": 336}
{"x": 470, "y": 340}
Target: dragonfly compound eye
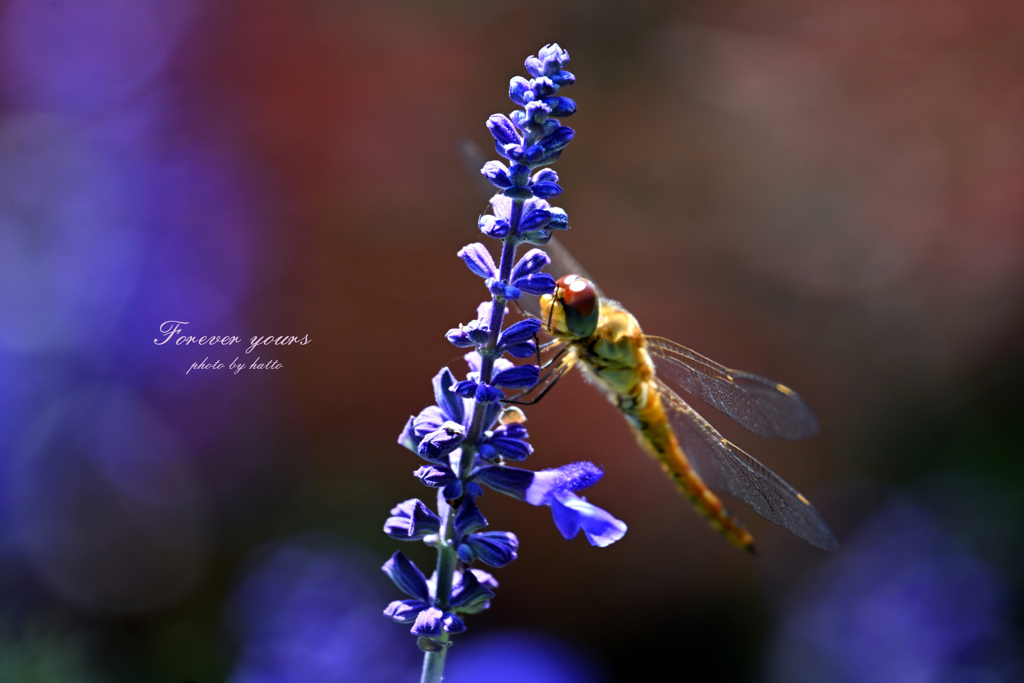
{"x": 579, "y": 299}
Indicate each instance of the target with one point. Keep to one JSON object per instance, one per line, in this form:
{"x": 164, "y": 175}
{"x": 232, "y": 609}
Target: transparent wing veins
{"x": 726, "y": 467}
{"x": 761, "y": 405}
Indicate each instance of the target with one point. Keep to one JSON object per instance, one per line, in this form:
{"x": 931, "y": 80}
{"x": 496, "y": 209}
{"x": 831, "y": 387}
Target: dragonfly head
{"x": 572, "y": 311}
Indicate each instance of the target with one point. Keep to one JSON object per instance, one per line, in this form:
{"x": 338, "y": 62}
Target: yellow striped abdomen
{"x": 648, "y": 418}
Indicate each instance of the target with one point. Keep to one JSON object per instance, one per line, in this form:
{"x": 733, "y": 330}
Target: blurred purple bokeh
{"x": 308, "y": 613}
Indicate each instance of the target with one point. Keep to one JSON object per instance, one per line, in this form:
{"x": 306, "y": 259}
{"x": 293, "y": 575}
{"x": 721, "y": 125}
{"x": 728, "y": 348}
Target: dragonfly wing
{"x": 726, "y": 467}
{"x": 764, "y": 407}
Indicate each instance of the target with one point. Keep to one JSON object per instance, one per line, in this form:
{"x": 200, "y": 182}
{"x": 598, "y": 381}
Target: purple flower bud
{"x": 472, "y": 334}
{"x": 466, "y": 388}
{"x": 519, "y": 332}
{"x": 536, "y": 284}
{"x": 452, "y": 623}
{"x": 497, "y": 173}
{"x": 469, "y": 594}
{"x": 486, "y": 393}
{"x": 405, "y": 611}
{"x": 519, "y": 91}
{"x": 546, "y": 190}
{"x": 537, "y": 112}
{"x": 503, "y": 130}
{"x": 453, "y": 490}
{"x": 557, "y": 140}
{"x": 543, "y": 87}
{"x": 547, "y": 175}
{"x": 559, "y": 219}
{"x": 465, "y": 553}
{"x": 518, "y": 377}
{"x": 513, "y": 152}
{"x": 534, "y": 66}
{"x": 550, "y": 125}
{"x": 560, "y": 106}
{"x": 435, "y": 476}
{"x": 553, "y": 58}
{"x": 507, "y": 292}
{"x": 531, "y": 262}
{"x": 535, "y": 220}
{"x": 519, "y": 119}
{"x": 526, "y": 349}
{"x": 493, "y": 548}
{"x": 510, "y": 441}
{"x": 411, "y": 521}
{"x": 440, "y": 443}
{"x": 511, "y": 449}
{"x": 469, "y": 518}
{"x": 407, "y": 577}
{"x": 479, "y": 260}
{"x": 563, "y": 79}
{"x": 512, "y": 430}
{"x": 474, "y": 489}
{"x": 429, "y": 623}
{"x": 459, "y": 337}
{"x": 533, "y": 154}
{"x": 493, "y": 227}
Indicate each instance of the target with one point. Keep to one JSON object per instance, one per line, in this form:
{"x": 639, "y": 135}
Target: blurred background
{"x": 830, "y": 194}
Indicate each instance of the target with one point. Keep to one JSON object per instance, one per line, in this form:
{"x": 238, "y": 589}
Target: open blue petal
{"x": 572, "y": 513}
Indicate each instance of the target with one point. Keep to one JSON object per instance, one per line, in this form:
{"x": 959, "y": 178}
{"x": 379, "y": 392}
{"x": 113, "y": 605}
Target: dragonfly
{"x": 637, "y": 373}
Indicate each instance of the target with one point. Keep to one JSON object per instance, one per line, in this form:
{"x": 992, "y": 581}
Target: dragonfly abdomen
{"x": 655, "y": 435}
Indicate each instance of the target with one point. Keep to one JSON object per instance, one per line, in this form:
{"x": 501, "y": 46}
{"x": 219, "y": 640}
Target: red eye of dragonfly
{"x": 579, "y": 294}
{"x": 579, "y": 299}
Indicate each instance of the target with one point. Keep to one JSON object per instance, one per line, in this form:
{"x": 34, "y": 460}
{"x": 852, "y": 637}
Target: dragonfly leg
{"x": 545, "y": 366}
{"x": 546, "y": 345}
{"x": 551, "y": 379}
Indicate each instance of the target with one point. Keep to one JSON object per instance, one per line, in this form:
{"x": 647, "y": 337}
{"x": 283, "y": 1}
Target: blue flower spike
{"x": 467, "y": 437}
